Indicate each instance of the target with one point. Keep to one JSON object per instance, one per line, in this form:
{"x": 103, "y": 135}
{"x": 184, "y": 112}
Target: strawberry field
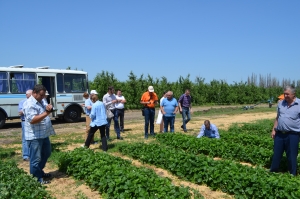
{"x": 168, "y": 166}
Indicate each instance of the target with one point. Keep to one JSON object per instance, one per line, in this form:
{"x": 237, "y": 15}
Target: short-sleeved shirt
{"x": 40, "y": 130}
{"x": 146, "y": 97}
{"x": 169, "y": 106}
{"x": 185, "y": 100}
{"x": 288, "y": 117}
{"x": 120, "y": 105}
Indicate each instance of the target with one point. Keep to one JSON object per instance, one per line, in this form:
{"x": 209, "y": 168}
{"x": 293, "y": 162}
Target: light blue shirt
{"x": 21, "y": 103}
{"x": 169, "y": 106}
{"x": 41, "y": 130}
{"x": 212, "y": 132}
{"x": 98, "y": 114}
{"x": 288, "y": 117}
{"x": 88, "y": 102}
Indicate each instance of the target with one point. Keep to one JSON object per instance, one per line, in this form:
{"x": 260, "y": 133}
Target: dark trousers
{"x": 102, "y": 135}
{"x": 120, "y": 115}
{"x": 149, "y": 120}
{"x": 116, "y": 124}
{"x": 287, "y": 142}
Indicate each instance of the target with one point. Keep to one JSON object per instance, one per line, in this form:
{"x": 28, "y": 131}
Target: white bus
{"x": 65, "y": 87}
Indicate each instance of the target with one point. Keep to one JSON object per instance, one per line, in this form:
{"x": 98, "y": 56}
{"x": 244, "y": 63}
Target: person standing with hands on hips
{"x": 185, "y": 108}
{"x": 286, "y": 131}
{"x": 149, "y": 99}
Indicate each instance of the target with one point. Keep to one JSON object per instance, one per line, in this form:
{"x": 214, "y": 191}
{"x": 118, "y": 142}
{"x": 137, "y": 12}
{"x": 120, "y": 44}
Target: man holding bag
{"x": 109, "y": 100}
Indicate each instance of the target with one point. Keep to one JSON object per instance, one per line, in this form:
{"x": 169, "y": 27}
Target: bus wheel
{"x": 72, "y": 114}
{"x": 2, "y": 119}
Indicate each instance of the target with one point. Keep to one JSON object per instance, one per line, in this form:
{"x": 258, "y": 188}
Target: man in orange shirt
{"x": 149, "y": 99}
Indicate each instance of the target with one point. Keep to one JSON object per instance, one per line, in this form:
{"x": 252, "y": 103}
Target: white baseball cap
{"x": 94, "y": 92}
{"x": 150, "y": 89}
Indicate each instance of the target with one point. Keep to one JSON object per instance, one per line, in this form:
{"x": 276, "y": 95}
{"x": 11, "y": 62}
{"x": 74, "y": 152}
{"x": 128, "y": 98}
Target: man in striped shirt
{"x": 38, "y": 128}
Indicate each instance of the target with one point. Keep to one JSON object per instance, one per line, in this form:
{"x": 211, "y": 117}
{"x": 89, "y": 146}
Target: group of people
{"x": 37, "y": 127}
{"x": 96, "y": 115}
{"x": 169, "y": 106}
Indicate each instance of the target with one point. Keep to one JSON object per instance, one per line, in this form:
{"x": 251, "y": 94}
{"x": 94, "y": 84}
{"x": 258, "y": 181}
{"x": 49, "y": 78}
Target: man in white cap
{"x": 149, "y": 99}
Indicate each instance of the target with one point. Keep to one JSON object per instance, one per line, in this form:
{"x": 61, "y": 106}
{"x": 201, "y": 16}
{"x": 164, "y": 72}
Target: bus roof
{"x": 41, "y": 70}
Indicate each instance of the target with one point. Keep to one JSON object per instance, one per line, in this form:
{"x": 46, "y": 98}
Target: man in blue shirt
{"x": 185, "y": 108}
{"x": 98, "y": 121}
{"x": 169, "y": 107}
{"x": 286, "y": 131}
{"x": 209, "y": 130}
{"x": 25, "y": 150}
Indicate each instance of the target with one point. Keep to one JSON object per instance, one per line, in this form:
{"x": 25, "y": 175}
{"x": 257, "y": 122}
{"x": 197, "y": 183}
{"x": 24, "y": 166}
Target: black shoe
{"x": 26, "y": 159}
{"x": 185, "y": 131}
{"x": 120, "y": 138}
{"x": 182, "y": 126}
{"x": 47, "y": 175}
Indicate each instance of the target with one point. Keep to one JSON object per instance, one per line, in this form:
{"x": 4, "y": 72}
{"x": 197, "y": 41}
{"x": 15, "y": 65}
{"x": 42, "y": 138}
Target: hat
{"x": 46, "y": 93}
{"x": 150, "y": 89}
{"x": 94, "y": 92}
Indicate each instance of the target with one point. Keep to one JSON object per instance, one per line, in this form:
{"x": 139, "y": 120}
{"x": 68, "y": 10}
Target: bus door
{"x": 49, "y": 81}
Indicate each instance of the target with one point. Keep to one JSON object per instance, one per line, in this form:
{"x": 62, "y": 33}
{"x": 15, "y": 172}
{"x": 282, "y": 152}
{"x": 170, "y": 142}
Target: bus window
{"x": 21, "y": 82}
{"x": 75, "y": 83}
{"x": 60, "y": 83}
{"x": 3, "y": 82}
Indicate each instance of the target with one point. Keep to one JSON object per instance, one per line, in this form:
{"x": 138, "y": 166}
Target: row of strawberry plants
{"x": 247, "y": 139}
{"x": 224, "y": 149}
{"x": 218, "y": 148}
{"x": 260, "y": 127}
{"x": 117, "y": 178}
{"x": 16, "y": 183}
{"x": 225, "y": 175}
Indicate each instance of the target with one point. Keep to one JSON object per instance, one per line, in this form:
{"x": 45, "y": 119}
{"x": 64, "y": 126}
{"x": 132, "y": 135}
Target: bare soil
{"x": 63, "y": 186}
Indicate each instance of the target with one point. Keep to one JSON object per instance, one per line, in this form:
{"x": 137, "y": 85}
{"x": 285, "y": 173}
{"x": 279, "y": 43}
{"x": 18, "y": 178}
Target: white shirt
{"x": 120, "y": 105}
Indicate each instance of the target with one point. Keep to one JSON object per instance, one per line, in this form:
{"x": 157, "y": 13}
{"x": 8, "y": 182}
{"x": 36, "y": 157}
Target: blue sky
{"x": 219, "y": 39}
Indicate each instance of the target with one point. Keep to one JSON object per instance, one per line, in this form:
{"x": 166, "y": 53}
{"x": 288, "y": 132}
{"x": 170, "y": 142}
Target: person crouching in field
{"x": 208, "y": 130}
{"x": 98, "y": 121}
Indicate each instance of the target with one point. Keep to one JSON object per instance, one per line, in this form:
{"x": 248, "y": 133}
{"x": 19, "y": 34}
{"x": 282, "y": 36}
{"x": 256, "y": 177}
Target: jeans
{"x": 167, "y": 121}
{"x": 120, "y": 114}
{"x": 25, "y": 150}
{"x": 40, "y": 151}
{"x": 289, "y": 143}
{"x": 87, "y": 127}
{"x": 102, "y": 135}
{"x": 186, "y": 117}
{"x": 149, "y": 119}
{"x": 116, "y": 124}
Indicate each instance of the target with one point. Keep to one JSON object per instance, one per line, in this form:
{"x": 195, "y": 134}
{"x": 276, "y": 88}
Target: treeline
{"x": 216, "y": 92}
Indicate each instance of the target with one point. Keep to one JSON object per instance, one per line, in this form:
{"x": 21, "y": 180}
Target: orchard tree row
{"x": 216, "y": 92}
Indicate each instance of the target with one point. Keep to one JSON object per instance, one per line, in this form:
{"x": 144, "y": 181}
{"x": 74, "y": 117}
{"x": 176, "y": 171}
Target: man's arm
{"x": 217, "y": 134}
{"x": 201, "y": 131}
{"x": 273, "y": 133}
{"x": 38, "y": 118}
{"x": 179, "y": 103}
